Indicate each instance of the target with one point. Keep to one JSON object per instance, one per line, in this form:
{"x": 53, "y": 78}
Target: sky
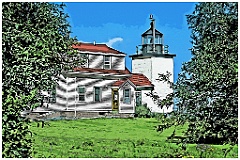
{"x": 120, "y": 25}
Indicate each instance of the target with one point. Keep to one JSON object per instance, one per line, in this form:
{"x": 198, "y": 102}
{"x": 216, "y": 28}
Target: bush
{"x": 143, "y": 112}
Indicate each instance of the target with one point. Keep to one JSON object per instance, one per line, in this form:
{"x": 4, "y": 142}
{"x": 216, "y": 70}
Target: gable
{"x": 136, "y": 80}
{"x": 127, "y": 85}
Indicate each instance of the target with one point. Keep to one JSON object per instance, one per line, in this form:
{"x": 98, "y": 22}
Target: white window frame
{"x": 107, "y": 63}
{"x": 100, "y": 94}
{"x": 124, "y": 96}
{"x": 81, "y": 94}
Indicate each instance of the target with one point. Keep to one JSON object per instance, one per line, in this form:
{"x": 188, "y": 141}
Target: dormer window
{"x": 107, "y": 62}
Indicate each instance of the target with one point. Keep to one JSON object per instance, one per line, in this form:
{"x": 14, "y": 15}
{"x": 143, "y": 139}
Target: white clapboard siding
{"x": 67, "y": 95}
{"x": 118, "y": 63}
{"x": 95, "y": 61}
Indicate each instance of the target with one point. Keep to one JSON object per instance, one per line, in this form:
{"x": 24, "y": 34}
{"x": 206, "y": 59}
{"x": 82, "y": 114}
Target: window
{"x": 145, "y": 40}
{"x": 84, "y": 60}
{"x": 157, "y": 39}
{"x": 81, "y": 92}
{"x": 150, "y": 39}
{"x": 97, "y": 94}
{"x": 107, "y": 62}
{"x": 126, "y": 96}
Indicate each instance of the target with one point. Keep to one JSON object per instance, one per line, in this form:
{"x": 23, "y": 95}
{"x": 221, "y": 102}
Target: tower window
{"x": 150, "y": 39}
{"x": 145, "y": 40}
{"x": 107, "y": 62}
{"x": 157, "y": 39}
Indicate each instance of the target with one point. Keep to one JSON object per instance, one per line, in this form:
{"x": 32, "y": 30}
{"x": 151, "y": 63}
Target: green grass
{"x": 111, "y": 138}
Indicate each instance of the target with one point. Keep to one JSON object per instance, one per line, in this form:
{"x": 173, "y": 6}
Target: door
{"x": 138, "y": 98}
{"x": 115, "y": 99}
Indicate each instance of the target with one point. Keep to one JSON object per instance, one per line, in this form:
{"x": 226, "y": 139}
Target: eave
{"x": 103, "y": 53}
{"x": 96, "y": 75}
{"x": 141, "y": 56}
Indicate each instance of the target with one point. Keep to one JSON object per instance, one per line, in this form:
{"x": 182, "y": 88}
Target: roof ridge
{"x": 102, "y": 47}
{"x": 114, "y": 49}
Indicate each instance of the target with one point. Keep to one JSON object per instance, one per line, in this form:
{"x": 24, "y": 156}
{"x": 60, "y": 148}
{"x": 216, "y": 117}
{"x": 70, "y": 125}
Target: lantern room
{"x": 152, "y": 40}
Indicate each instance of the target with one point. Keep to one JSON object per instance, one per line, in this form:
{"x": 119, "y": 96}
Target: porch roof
{"x": 139, "y": 80}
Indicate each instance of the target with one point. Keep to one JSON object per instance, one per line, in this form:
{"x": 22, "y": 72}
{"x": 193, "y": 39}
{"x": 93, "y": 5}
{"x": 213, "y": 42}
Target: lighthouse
{"x": 152, "y": 58}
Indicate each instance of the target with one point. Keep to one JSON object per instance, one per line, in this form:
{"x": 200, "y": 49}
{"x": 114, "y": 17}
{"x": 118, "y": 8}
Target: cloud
{"x": 114, "y": 40}
{"x": 109, "y": 43}
{"x": 84, "y": 41}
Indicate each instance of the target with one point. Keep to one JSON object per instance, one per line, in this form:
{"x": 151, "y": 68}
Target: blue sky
{"x": 120, "y": 25}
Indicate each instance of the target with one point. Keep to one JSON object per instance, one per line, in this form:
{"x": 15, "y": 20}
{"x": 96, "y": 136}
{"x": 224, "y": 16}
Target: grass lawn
{"x": 110, "y": 138}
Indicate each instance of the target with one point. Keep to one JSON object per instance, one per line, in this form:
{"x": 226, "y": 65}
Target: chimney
{"x": 153, "y": 31}
{"x": 94, "y": 43}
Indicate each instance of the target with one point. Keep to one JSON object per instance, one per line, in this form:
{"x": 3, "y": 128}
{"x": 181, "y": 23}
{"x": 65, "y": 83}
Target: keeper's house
{"x": 103, "y": 84}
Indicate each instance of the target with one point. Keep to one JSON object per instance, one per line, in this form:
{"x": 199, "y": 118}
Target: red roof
{"x": 119, "y": 83}
{"x": 140, "y": 80}
{"x": 95, "y": 48}
{"x": 137, "y": 79}
{"x": 90, "y": 70}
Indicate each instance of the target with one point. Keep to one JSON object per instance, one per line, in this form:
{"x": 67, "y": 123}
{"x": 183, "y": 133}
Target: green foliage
{"x": 166, "y": 121}
{"x": 15, "y": 130}
{"x": 35, "y": 48}
{"x": 206, "y": 91}
{"x": 210, "y": 97}
{"x": 111, "y": 138}
{"x": 143, "y": 112}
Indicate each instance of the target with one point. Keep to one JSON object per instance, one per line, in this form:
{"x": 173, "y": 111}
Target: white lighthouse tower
{"x": 152, "y": 59}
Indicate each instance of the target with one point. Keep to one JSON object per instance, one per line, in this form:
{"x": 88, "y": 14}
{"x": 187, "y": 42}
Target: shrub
{"x": 143, "y": 112}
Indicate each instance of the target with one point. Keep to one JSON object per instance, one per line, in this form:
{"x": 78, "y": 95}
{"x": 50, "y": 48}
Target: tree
{"x": 206, "y": 91}
{"x": 212, "y": 83}
{"x": 36, "y": 47}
